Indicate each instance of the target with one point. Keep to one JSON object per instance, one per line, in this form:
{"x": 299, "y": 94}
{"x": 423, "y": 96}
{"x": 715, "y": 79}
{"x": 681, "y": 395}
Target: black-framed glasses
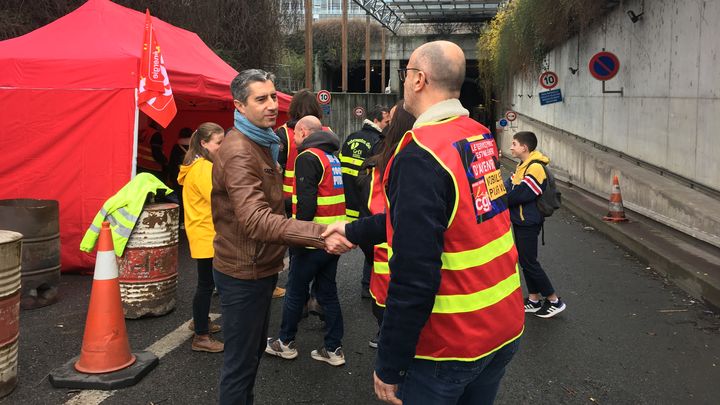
{"x": 402, "y": 73}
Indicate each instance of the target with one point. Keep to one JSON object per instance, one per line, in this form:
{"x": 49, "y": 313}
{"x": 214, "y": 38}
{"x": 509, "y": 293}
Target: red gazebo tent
{"x": 68, "y": 116}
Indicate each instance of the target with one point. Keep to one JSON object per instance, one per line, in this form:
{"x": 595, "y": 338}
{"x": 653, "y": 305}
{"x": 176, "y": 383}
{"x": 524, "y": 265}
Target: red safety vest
{"x": 331, "y": 194}
{"x": 478, "y": 308}
{"x": 291, "y": 154}
{"x": 145, "y": 157}
{"x": 380, "y": 276}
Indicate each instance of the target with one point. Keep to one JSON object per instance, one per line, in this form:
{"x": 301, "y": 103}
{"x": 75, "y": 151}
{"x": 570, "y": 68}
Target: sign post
{"x": 604, "y": 66}
{"x": 548, "y": 80}
{"x": 323, "y": 97}
{"x": 359, "y": 112}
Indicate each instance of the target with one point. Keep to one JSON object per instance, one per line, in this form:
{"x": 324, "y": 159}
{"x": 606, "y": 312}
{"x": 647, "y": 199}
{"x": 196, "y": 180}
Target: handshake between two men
{"x": 335, "y": 241}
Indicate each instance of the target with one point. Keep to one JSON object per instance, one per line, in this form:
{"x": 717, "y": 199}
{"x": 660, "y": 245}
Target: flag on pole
{"x": 155, "y": 96}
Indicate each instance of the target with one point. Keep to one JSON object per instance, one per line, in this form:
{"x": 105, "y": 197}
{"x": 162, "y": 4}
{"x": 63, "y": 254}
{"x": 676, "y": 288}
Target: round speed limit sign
{"x": 548, "y": 80}
{"x": 323, "y": 97}
{"x": 511, "y": 116}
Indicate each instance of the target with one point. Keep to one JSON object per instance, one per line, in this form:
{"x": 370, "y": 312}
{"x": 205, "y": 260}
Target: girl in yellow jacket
{"x": 196, "y": 178}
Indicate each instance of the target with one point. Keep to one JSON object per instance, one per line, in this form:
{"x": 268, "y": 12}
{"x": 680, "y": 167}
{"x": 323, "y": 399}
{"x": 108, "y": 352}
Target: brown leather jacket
{"x": 251, "y": 228}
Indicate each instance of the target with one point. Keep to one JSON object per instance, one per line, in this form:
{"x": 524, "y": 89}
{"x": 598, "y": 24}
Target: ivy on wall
{"x": 516, "y": 41}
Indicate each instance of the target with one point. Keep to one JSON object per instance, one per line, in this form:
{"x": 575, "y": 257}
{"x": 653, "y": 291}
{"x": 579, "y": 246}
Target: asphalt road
{"x": 627, "y": 337}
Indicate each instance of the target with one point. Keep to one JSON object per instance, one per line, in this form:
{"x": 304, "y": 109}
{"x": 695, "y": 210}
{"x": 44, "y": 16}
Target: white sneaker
{"x": 276, "y": 347}
{"x": 336, "y": 358}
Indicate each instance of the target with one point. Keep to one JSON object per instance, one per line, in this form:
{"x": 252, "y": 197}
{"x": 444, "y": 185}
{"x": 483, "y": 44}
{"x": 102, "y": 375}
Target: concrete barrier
{"x": 647, "y": 192}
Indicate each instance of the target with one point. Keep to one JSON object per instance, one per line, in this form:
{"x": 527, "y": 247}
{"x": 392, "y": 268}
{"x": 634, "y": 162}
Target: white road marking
{"x": 165, "y": 345}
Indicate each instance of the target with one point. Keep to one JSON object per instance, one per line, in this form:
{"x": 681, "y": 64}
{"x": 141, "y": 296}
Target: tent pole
{"x": 133, "y": 169}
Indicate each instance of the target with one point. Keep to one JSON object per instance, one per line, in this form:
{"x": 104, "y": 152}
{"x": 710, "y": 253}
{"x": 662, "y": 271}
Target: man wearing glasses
{"x": 453, "y": 313}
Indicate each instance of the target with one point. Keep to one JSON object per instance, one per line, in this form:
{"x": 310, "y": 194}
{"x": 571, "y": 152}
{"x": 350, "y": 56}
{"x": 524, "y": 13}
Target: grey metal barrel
{"x": 38, "y": 221}
{"x": 10, "y": 259}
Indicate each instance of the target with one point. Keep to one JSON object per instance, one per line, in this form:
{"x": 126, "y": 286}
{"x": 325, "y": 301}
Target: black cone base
{"x": 67, "y": 377}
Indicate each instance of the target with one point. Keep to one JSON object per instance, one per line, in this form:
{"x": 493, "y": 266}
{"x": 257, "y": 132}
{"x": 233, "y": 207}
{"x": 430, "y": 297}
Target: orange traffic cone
{"x": 616, "y": 211}
{"x": 105, "y": 346}
{"x": 105, "y": 360}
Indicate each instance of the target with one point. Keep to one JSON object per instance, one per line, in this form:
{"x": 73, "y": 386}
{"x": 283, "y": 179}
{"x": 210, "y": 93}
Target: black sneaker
{"x": 532, "y": 306}
{"x": 549, "y": 309}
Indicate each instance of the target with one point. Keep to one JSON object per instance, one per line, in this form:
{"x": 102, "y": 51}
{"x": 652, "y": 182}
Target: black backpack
{"x": 550, "y": 200}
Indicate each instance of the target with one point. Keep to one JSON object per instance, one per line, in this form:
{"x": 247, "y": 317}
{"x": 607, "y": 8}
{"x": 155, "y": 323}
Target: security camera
{"x": 634, "y": 17}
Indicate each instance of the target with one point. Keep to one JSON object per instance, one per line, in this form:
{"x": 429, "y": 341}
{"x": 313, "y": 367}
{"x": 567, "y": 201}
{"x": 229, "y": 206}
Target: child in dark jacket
{"x": 524, "y": 188}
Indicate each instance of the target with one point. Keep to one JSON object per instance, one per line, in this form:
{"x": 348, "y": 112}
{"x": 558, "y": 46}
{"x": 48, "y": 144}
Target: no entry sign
{"x": 604, "y": 65}
{"x": 323, "y": 97}
{"x": 511, "y": 116}
{"x": 548, "y": 80}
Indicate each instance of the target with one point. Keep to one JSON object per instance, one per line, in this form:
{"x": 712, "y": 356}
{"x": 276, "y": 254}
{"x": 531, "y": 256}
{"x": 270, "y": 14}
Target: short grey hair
{"x": 239, "y": 85}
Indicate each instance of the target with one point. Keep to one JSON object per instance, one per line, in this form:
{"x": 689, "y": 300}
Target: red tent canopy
{"x": 69, "y": 116}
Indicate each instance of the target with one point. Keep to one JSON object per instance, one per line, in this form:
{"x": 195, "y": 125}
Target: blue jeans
{"x": 456, "y": 382}
{"x": 245, "y": 308}
{"x": 306, "y": 265}
{"x": 526, "y": 241}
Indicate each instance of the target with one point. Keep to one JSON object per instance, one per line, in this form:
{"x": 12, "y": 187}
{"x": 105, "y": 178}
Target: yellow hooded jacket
{"x": 196, "y": 179}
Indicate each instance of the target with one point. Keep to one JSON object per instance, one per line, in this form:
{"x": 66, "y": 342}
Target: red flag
{"x": 155, "y": 96}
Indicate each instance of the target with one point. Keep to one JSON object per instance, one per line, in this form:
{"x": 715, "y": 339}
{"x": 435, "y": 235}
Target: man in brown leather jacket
{"x": 252, "y": 231}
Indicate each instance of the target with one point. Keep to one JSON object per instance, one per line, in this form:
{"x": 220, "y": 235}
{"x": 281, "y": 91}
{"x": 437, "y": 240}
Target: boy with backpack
{"x": 531, "y": 197}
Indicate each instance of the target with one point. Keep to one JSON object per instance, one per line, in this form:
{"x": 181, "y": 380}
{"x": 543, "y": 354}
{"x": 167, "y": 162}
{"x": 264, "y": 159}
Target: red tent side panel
{"x": 73, "y": 146}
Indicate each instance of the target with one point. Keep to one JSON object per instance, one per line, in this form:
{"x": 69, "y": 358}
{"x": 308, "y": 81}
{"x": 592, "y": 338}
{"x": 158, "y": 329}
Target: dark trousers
{"x": 307, "y": 264}
{"x": 526, "y": 241}
{"x": 367, "y": 265}
{"x": 456, "y": 382}
{"x": 378, "y": 312}
{"x": 203, "y": 296}
{"x": 246, "y": 314}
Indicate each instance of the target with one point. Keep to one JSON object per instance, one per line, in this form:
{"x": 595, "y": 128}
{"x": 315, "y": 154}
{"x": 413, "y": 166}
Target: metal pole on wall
{"x": 344, "y": 44}
{"x": 382, "y": 61}
{"x": 367, "y": 53}
{"x": 308, "y": 44}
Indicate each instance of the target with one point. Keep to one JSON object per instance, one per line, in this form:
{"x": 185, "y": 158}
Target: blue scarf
{"x": 263, "y": 137}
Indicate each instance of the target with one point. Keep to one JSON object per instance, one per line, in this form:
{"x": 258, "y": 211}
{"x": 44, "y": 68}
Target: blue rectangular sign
{"x": 549, "y": 97}
{"x": 326, "y": 109}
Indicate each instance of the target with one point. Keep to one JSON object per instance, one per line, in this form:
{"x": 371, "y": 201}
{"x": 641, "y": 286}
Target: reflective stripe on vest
{"x": 478, "y": 307}
{"x": 291, "y": 154}
{"x": 145, "y": 157}
{"x": 330, "y": 194}
{"x": 380, "y": 276}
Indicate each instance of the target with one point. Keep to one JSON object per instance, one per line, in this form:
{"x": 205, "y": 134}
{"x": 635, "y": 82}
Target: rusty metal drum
{"x": 38, "y": 221}
{"x": 148, "y": 266}
{"x": 10, "y": 260}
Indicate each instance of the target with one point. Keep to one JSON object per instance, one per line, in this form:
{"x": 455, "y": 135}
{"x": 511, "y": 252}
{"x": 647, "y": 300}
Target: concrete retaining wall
{"x": 582, "y": 164}
{"x": 669, "y": 115}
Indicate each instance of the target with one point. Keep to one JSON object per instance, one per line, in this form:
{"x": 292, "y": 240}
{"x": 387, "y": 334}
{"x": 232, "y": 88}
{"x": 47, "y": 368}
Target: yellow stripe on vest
{"x": 289, "y": 173}
{"x": 331, "y": 200}
{"x": 381, "y": 268}
{"x": 328, "y": 220}
{"x": 349, "y": 171}
{"x": 476, "y": 257}
{"x": 352, "y": 161}
{"x": 453, "y": 304}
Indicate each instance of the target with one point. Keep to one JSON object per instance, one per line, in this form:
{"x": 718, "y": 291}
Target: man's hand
{"x": 338, "y": 227}
{"x": 337, "y": 244}
{"x": 386, "y": 392}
